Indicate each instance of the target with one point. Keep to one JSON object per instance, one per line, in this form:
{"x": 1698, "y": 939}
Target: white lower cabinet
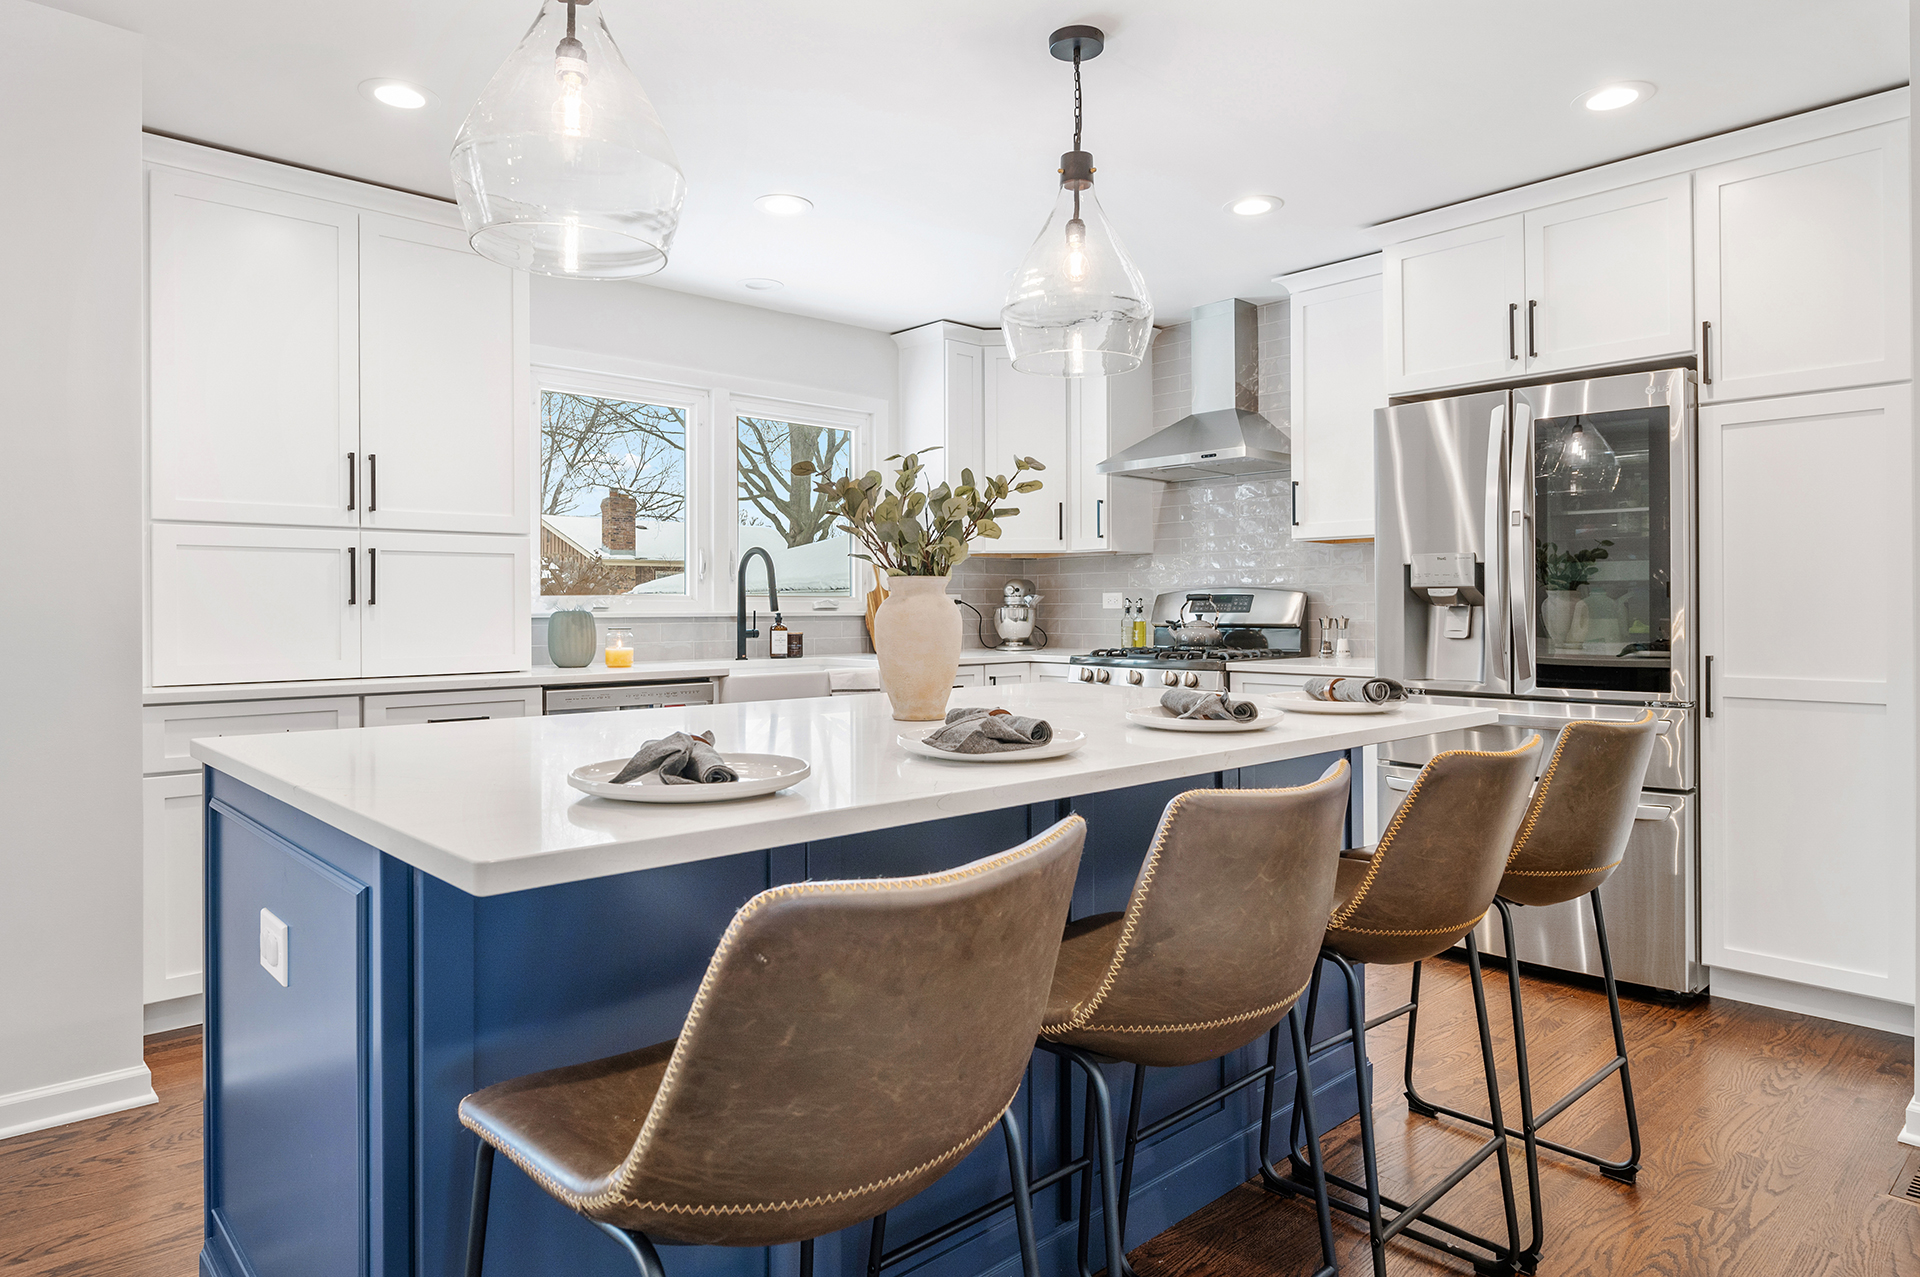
{"x": 970, "y": 676}
{"x": 170, "y": 839}
{"x": 452, "y": 707}
{"x": 435, "y": 603}
{"x": 1052, "y": 673}
{"x": 167, "y": 730}
{"x": 1005, "y": 675}
{"x": 1262, "y": 684}
{"x": 1807, "y": 747}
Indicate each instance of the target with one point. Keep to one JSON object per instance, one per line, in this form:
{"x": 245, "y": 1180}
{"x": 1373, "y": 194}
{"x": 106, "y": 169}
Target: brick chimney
{"x": 616, "y": 522}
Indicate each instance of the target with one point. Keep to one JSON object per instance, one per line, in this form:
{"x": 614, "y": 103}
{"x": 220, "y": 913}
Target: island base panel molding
{"x": 457, "y": 992}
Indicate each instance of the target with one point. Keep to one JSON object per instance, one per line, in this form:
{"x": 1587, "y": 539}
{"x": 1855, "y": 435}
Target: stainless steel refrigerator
{"x": 1535, "y": 553}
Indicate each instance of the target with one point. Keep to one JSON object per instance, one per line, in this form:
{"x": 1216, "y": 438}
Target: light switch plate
{"x": 273, "y": 946}
{"x": 1112, "y": 602}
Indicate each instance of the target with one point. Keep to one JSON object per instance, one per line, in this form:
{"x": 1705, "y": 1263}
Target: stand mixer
{"x": 1014, "y": 617}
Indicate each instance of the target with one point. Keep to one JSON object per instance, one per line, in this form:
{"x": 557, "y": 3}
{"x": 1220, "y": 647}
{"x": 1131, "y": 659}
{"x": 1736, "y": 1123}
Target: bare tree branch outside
{"x": 773, "y": 497}
{"x": 588, "y": 444}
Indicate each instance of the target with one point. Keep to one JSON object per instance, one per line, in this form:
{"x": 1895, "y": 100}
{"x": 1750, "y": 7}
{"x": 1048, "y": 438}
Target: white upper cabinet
{"x": 1452, "y": 303}
{"x": 445, "y": 405}
{"x": 1803, "y": 267}
{"x": 1608, "y": 278}
{"x": 1337, "y": 381}
{"x": 253, "y": 352}
{"x": 446, "y": 604}
{"x": 241, "y": 604}
{"x": 959, "y": 393}
{"x": 1026, "y": 416}
{"x": 1106, "y": 415}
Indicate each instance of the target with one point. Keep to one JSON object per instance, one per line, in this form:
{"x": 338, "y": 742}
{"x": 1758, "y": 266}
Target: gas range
{"x": 1252, "y": 625}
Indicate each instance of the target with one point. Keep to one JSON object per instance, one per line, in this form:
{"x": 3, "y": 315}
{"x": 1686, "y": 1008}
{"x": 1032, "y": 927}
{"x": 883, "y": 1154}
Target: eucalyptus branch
{"x": 911, "y": 528}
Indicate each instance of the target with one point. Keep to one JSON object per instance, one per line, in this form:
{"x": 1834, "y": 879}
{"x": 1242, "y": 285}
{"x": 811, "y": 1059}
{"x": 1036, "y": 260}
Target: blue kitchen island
{"x": 455, "y": 915}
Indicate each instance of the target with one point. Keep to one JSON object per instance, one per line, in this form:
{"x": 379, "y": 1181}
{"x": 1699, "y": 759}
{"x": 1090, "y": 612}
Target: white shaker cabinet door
{"x": 1452, "y": 304}
{"x": 1609, "y": 278}
{"x": 437, "y": 603}
{"x": 445, "y": 404}
{"x": 1803, "y": 271}
{"x": 1806, "y": 786}
{"x": 1337, "y": 385}
{"x": 1026, "y": 416}
{"x": 171, "y": 855}
{"x": 253, "y": 318}
{"x": 243, "y": 605}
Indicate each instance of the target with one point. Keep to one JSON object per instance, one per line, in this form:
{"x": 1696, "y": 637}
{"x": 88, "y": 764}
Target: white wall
{"x": 70, "y": 378}
{"x": 641, "y": 322}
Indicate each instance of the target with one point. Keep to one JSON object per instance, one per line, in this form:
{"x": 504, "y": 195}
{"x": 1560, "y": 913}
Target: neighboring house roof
{"x": 657, "y": 542}
{"x": 820, "y": 568}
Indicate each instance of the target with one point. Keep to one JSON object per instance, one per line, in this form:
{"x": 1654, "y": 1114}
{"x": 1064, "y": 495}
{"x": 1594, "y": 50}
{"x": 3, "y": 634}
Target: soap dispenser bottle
{"x": 777, "y": 639}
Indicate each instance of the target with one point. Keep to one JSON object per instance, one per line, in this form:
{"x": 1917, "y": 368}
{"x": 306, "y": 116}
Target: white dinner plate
{"x": 1065, "y": 741}
{"x": 759, "y": 774}
{"x": 1307, "y": 705}
{"x": 1159, "y": 716}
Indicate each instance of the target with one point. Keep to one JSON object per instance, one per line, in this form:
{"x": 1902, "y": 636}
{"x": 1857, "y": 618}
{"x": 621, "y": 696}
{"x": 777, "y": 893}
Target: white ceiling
{"x": 927, "y": 134}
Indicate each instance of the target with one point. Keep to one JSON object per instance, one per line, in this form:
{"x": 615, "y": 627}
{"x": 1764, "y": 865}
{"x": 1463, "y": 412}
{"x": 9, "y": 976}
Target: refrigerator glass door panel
{"x": 1603, "y": 480}
{"x": 1443, "y": 621}
{"x": 1649, "y": 900}
{"x": 1671, "y": 767}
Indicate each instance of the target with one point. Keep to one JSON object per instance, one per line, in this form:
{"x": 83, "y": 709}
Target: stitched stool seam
{"x": 1197, "y": 1027}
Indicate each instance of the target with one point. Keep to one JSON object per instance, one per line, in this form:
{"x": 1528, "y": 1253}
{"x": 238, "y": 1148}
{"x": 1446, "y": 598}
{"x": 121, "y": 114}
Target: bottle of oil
{"x": 777, "y": 639}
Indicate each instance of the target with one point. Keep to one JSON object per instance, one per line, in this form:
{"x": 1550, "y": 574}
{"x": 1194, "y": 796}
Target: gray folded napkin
{"x": 681, "y": 760}
{"x": 984, "y": 731}
{"x": 1209, "y": 705}
{"x": 1364, "y": 691}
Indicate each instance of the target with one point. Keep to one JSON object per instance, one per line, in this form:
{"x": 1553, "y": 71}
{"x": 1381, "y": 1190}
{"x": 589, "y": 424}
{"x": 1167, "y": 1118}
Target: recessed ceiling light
{"x": 1254, "y": 205}
{"x": 395, "y": 93}
{"x": 1612, "y": 97}
{"x": 783, "y": 205}
{"x": 760, "y": 285}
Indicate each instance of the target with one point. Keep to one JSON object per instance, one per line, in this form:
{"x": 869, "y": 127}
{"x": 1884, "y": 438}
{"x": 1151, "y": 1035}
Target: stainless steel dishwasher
{"x": 616, "y": 696}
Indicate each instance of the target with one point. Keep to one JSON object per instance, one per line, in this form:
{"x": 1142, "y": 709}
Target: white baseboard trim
{"x": 1911, "y": 1134}
{"x": 175, "y": 1013}
{"x": 84, "y": 1097}
{"x": 1806, "y": 999}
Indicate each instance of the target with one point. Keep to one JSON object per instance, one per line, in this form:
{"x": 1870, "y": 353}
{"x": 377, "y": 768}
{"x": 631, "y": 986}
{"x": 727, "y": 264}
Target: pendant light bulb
{"x": 562, "y": 167}
{"x": 1078, "y": 306}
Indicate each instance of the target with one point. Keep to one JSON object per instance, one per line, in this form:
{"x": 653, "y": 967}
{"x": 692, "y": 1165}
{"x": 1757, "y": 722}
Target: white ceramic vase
{"x": 1565, "y": 615}
{"x": 916, "y": 633}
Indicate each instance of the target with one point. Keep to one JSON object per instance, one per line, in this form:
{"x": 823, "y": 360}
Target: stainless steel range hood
{"x": 1222, "y": 436}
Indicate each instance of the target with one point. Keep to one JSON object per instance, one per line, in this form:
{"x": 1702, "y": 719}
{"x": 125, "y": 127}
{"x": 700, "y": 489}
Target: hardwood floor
{"x": 115, "y": 1196}
{"x": 1769, "y": 1153}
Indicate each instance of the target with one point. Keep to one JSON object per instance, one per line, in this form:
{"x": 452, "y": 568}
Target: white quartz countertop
{"x": 594, "y": 674}
{"x": 486, "y": 807}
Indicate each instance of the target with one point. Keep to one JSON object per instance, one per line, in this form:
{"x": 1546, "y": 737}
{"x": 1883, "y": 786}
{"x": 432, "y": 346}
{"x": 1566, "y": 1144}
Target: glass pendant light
{"x": 562, "y": 166}
{"x": 1078, "y": 305}
{"x": 1581, "y": 462}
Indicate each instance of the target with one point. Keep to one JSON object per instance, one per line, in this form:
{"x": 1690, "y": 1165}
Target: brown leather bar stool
{"x": 1573, "y": 837}
{"x": 1428, "y": 883}
{"x": 813, "y": 1085}
{"x": 1219, "y": 939}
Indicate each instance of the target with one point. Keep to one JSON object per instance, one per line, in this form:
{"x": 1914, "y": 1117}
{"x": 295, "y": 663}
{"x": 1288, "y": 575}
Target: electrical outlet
{"x": 1112, "y": 602}
{"x": 273, "y": 946}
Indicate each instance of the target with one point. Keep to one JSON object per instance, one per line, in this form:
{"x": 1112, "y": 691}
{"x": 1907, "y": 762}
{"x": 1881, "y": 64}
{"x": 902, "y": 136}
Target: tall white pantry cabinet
{"x": 340, "y": 437}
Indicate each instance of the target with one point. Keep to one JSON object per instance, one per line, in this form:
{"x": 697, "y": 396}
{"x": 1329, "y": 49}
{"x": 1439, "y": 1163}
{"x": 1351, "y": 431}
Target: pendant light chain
{"x": 1076, "y": 120}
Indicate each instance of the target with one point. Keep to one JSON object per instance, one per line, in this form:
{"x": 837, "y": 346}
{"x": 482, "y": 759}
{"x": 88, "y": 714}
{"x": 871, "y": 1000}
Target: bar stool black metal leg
{"x": 1530, "y": 1257}
{"x": 638, "y": 1248}
{"x": 1022, "y": 1200}
{"x": 1625, "y": 1172}
{"x": 806, "y": 1258}
{"x": 477, "y": 1216}
{"x": 1293, "y": 1122}
{"x": 876, "y": 1244}
{"x": 1414, "y": 1101}
{"x": 1303, "y": 1104}
{"x": 1100, "y": 1115}
{"x": 1493, "y": 1099}
{"x": 1131, "y": 1143}
{"x": 1369, "y": 1151}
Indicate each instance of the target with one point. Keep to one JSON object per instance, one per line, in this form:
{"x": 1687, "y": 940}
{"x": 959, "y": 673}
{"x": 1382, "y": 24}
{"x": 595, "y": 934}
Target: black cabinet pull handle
{"x": 1706, "y": 354}
{"x": 352, "y": 475}
{"x": 1707, "y": 690}
{"x": 1513, "y": 342}
{"x": 353, "y": 577}
{"x": 1099, "y": 518}
{"x": 1531, "y": 352}
{"x": 373, "y": 575}
{"x": 373, "y": 486}
{"x": 1296, "y": 503}
{"x": 1063, "y": 522}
